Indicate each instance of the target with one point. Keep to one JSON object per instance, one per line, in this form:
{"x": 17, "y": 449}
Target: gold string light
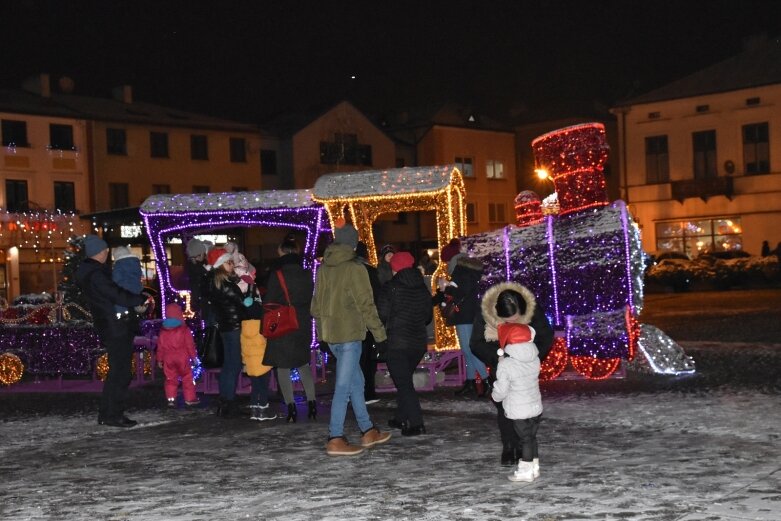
{"x": 11, "y": 369}
{"x": 102, "y": 367}
{"x": 449, "y": 205}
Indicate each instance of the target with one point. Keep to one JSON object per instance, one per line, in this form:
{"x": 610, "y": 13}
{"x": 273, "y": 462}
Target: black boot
{"x": 292, "y": 413}
{"x": 467, "y": 389}
{"x": 486, "y": 391}
{"x": 312, "y": 409}
{"x": 508, "y": 456}
{"x": 413, "y": 430}
{"x": 226, "y": 409}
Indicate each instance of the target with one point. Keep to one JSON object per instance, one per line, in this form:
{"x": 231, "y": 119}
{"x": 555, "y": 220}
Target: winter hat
{"x": 452, "y": 249}
{"x": 121, "y": 252}
{"x": 388, "y": 248}
{"x": 231, "y": 247}
{"x": 93, "y": 245}
{"x": 513, "y": 333}
{"x": 195, "y": 248}
{"x": 401, "y": 260}
{"x": 217, "y": 257}
{"x": 345, "y": 234}
{"x": 174, "y": 316}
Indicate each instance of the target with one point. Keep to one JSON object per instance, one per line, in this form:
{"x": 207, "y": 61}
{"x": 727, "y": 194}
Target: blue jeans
{"x": 464, "y": 333}
{"x": 231, "y": 364}
{"x": 348, "y": 388}
{"x": 259, "y": 389}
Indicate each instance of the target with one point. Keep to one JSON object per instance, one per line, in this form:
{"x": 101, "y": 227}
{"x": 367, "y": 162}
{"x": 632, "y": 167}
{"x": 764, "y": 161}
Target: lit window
{"x": 494, "y": 169}
{"x": 700, "y": 236}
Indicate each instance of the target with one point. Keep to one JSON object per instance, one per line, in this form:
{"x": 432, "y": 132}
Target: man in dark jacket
{"x": 94, "y": 278}
{"x": 405, "y": 308}
{"x": 484, "y": 343}
{"x": 368, "y": 360}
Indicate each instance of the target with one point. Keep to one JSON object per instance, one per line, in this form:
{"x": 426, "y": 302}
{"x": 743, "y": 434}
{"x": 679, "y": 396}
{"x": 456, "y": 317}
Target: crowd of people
{"x": 361, "y": 313}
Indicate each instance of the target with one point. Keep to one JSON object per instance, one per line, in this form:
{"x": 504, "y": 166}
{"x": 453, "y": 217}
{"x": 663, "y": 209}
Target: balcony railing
{"x": 702, "y": 188}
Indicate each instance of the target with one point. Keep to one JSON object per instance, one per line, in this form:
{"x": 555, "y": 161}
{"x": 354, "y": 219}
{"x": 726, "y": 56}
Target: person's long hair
{"x": 220, "y": 276}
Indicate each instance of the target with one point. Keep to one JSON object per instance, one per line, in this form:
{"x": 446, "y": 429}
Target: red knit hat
{"x": 217, "y": 257}
{"x": 452, "y": 249}
{"x": 401, "y": 260}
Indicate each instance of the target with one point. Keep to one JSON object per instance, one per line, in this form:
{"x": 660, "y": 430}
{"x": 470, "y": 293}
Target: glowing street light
{"x": 542, "y": 173}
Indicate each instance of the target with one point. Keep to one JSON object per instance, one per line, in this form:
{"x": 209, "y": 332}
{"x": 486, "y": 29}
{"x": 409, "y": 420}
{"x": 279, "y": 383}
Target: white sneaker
{"x": 536, "y": 468}
{"x": 525, "y": 472}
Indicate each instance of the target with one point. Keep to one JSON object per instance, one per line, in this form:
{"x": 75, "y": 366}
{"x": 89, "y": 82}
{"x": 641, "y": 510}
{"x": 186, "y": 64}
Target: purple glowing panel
{"x": 584, "y": 268}
{"x": 179, "y": 216}
{"x": 52, "y": 350}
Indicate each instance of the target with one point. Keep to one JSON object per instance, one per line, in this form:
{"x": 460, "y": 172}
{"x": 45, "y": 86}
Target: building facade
{"x": 702, "y": 157}
{"x": 103, "y": 157}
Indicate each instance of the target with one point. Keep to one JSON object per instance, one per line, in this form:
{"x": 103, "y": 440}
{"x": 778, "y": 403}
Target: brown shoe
{"x": 341, "y": 447}
{"x": 374, "y": 436}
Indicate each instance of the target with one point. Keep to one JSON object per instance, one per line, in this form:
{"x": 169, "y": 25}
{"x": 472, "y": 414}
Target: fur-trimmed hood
{"x": 488, "y": 306}
{"x": 469, "y": 262}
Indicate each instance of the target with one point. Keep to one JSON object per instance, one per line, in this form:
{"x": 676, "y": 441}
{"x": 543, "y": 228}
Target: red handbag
{"x": 279, "y": 319}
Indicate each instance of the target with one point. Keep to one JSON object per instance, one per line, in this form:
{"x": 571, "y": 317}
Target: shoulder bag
{"x": 279, "y": 319}
{"x": 210, "y": 349}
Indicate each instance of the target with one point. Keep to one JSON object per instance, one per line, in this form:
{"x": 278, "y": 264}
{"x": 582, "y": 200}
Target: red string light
{"x": 556, "y": 361}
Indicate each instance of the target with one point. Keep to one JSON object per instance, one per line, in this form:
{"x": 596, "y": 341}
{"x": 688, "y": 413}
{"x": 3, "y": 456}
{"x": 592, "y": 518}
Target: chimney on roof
{"x": 123, "y": 93}
{"x": 38, "y": 85}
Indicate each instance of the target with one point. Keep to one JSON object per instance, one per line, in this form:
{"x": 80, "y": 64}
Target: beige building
{"x": 483, "y": 150}
{"x": 103, "y": 156}
{"x": 308, "y": 145}
{"x": 45, "y": 171}
{"x": 701, "y": 157}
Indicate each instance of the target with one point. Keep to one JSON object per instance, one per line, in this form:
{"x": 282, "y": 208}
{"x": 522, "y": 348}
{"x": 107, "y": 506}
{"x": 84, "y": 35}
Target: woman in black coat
{"x": 292, "y": 350}
{"x": 227, "y": 304}
{"x": 405, "y": 308}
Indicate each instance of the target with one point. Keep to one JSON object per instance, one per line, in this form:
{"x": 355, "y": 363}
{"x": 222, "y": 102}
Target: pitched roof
{"x": 755, "y": 67}
{"x": 105, "y": 109}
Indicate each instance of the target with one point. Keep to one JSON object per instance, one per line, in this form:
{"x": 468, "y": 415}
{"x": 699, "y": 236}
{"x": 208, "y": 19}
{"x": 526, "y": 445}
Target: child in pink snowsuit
{"x": 175, "y": 349}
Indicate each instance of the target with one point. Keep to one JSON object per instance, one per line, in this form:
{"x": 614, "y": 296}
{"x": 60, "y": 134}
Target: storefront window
{"x": 699, "y": 236}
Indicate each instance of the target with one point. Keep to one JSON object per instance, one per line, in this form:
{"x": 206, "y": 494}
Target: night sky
{"x": 249, "y": 60}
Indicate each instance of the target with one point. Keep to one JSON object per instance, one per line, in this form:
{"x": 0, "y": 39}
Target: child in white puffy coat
{"x": 517, "y": 387}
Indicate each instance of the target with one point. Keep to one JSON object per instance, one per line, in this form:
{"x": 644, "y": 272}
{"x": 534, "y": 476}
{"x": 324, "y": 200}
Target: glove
{"x": 248, "y": 302}
{"x": 248, "y": 279}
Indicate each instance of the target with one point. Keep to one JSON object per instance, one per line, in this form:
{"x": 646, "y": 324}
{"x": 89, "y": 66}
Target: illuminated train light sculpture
{"x": 585, "y": 264}
{"x": 580, "y": 255}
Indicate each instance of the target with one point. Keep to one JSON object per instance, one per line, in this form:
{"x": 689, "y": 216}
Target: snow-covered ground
{"x": 665, "y": 455}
